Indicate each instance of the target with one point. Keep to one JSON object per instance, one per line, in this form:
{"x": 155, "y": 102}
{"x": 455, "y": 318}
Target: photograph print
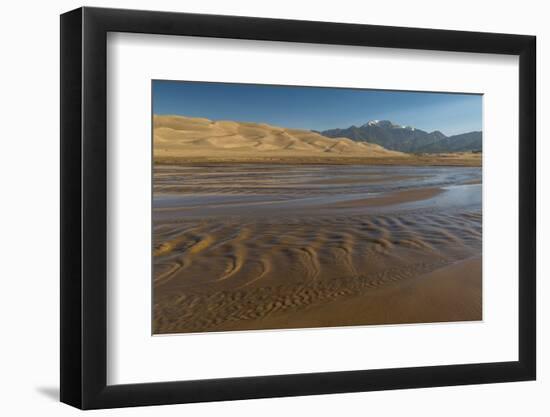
{"x": 292, "y": 207}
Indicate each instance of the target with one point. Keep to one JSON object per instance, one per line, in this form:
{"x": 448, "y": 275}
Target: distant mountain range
{"x": 407, "y": 138}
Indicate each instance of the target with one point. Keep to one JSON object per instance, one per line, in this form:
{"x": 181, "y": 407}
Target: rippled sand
{"x": 240, "y": 247}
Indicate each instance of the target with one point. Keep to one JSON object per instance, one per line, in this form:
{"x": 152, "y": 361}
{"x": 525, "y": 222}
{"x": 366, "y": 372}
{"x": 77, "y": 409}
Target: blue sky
{"x": 318, "y": 108}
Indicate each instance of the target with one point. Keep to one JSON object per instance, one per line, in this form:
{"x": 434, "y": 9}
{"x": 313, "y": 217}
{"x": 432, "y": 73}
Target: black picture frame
{"x": 84, "y": 207}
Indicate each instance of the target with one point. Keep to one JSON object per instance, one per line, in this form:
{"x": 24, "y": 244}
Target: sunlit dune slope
{"x": 188, "y": 137}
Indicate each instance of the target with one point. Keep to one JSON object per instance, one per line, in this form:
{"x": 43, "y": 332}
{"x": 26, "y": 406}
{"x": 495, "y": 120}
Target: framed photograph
{"x": 258, "y": 208}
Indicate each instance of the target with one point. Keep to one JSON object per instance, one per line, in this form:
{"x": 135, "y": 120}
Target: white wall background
{"x": 29, "y": 237}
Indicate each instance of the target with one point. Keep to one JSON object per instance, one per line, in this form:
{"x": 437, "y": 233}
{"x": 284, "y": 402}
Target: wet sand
{"x": 241, "y": 247}
{"x": 465, "y": 159}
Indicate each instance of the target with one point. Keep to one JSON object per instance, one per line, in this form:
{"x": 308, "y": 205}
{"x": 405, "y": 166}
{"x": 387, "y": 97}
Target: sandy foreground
{"x": 251, "y": 247}
{"x": 449, "y": 293}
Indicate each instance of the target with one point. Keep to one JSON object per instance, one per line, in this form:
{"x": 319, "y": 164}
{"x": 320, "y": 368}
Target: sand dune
{"x": 180, "y": 139}
{"x": 188, "y": 137}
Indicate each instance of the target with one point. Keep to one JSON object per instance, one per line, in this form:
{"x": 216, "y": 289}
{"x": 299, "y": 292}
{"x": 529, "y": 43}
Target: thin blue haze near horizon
{"x": 316, "y": 108}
